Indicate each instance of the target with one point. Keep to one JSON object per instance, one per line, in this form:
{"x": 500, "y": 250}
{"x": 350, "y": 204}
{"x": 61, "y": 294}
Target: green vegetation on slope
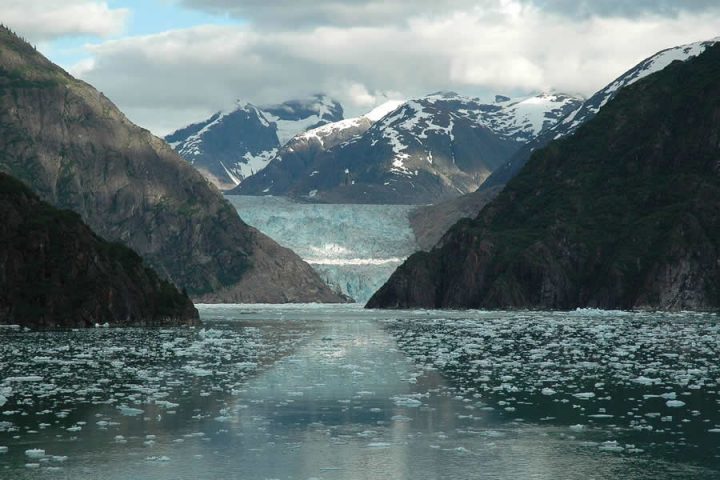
{"x": 55, "y": 272}
{"x": 623, "y": 214}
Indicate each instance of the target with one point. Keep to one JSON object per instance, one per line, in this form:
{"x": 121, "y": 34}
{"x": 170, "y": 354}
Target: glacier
{"x": 354, "y": 248}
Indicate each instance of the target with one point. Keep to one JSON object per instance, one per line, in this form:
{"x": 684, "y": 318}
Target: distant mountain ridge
{"x": 235, "y": 144}
{"x": 425, "y": 150}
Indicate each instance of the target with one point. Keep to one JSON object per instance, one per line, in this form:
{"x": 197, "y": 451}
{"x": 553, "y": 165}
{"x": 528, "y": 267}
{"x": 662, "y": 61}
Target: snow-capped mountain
{"x": 239, "y": 142}
{"x": 592, "y": 106}
{"x": 420, "y": 151}
{"x": 294, "y": 160}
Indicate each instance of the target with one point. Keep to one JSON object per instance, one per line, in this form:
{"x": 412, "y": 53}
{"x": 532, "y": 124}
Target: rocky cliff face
{"x": 74, "y": 148}
{"x": 624, "y": 214}
{"x": 55, "y": 272}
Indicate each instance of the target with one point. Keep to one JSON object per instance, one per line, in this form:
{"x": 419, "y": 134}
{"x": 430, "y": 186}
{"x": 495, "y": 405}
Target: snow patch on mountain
{"x": 383, "y": 110}
{"x": 360, "y": 124}
{"x": 294, "y": 117}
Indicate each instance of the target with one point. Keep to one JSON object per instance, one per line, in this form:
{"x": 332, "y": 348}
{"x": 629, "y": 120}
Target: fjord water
{"x": 337, "y": 392}
{"x": 354, "y": 248}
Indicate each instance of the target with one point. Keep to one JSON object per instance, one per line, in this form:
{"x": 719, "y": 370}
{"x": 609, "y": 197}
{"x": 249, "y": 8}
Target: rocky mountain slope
{"x": 233, "y": 145}
{"x": 305, "y": 149}
{"x": 624, "y": 214}
{"x": 75, "y": 149}
{"x": 431, "y": 222}
{"x": 426, "y": 150}
{"x": 55, "y": 272}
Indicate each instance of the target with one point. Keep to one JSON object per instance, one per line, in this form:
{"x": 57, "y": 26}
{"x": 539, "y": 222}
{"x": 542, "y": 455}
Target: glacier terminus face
{"x": 355, "y": 248}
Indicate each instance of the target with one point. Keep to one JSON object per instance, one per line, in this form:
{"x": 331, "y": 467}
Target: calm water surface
{"x": 336, "y": 392}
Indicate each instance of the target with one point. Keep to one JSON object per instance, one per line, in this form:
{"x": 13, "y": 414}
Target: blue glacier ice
{"x": 355, "y": 248}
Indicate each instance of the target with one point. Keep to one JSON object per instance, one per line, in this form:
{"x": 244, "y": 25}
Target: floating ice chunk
{"x": 3, "y": 449}
{"x": 577, "y": 428}
{"x": 129, "y": 411}
{"x": 379, "y": 445}
{"x": 35, "y": 453}
{"x": 27, "y": 379}
{"x": 675, "y": 403}
{"x": 584, "y": 395}
{"x": 611, "y": 446}
{"x": 642, "y": 380}
{"x": 548, "y": 391}
{"x": 406, "y": 401}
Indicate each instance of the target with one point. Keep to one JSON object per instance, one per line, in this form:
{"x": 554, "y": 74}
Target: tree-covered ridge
{"x": 623, "y": 214}
{"x": 55, "y": 272}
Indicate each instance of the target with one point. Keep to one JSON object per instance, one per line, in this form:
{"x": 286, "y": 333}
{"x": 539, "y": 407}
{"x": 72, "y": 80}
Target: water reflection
{"x": 279, "y": 393}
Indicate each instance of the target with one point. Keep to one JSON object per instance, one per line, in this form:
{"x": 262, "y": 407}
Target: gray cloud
{"x": 299, "y": 14}
{"x": 167, "y": 80}
{"x": 624, "y": 8}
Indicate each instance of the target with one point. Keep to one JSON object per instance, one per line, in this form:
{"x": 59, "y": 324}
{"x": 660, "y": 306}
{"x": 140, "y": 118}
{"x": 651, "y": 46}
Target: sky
{"x": 167, "y": 63}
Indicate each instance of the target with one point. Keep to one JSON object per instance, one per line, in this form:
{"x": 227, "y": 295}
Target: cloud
{"x": 43, "y": 20}
{"x": 625, "y": 8}
{"x": 513, "y": 47}
{"x": 298, "y": 14}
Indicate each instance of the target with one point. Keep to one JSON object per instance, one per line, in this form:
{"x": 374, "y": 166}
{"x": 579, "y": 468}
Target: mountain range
{"x": 423, "y": 151}
{"x": 622, "y": 214}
